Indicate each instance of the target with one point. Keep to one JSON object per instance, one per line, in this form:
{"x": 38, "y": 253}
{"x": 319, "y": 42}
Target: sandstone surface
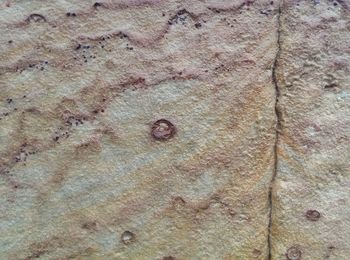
{"x": 311, "y": 198}
{"x": 197, "y": 129}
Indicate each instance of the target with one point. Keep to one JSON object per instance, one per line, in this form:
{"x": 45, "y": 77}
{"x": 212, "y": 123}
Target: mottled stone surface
{"x": 150, "y": 129}
{"x": 311, "y": 212}
{"x": 82, "y": 174}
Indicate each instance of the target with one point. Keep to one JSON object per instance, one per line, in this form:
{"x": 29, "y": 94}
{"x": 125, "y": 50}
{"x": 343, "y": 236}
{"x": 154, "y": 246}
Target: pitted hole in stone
{"x": 312, "y": 215}
{"x": 163, "y": 130}
{"x": 128, "y": 237}
{"x": 293, "y": 253}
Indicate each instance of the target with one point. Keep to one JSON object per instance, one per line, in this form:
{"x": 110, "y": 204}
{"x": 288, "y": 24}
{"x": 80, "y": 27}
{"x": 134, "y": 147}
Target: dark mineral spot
{"x": 179, "y": 17}
{"x": 330, "y": 86}
{"x": 163, "y": 130}
{"x": 92, "y": 225}
{"x": 36, "y": 18}
{"x": 331, "y": 247}
{"x": 198, "y": 25}
{"x": 97, "y": 4}
{"x": 74, "y": 120}
{"x": 69, "y": 14}
{"x": 181, "y": 12}
{"x": 312, "y": 215}
{"x": 329, "y": 252}
{"x": 293, "y": 253}
{"x": 122, "y": 35}
{"x": 78, "y": 47}
{"x": 128, "y": 237}
{"x": 216, "y": 10}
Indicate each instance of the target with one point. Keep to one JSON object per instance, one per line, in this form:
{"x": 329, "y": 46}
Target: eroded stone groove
{"x": 278, "y": 123}
{"x": 309, "y": 211}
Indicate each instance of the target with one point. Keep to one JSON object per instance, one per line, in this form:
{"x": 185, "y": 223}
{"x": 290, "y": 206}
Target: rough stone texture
{"x": 79, "y": 165}
{"x": 250, "y": 159}
{"x": 312, "y": 188}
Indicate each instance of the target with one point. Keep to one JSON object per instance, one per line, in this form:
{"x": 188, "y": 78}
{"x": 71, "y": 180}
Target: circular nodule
{"x": 163, "y": 130}
{"x": 312, "y": 215}
{"x": 127, "y": 237}
{"x": 293, "y": 253}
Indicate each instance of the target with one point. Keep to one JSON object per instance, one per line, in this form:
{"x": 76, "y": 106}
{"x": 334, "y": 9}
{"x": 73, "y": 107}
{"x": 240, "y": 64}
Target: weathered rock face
{"x": 82, "y": 160}
{"x": 311, "y": 200}
{"x": 146, "y": 129}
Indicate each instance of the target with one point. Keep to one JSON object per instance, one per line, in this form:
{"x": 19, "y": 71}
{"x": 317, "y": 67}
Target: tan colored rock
{"x": 146, "y": 129}
{"x": 311, "y": 214}
{"x": 82, "y": 84}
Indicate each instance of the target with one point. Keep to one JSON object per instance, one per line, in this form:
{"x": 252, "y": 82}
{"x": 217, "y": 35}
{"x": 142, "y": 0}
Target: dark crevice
{"x": 278, "y": 126}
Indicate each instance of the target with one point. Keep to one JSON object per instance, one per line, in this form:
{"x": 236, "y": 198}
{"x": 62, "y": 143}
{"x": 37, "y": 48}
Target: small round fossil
{"x": 128, "y": 237}
{"x": 163, "y": 130}
{"x": 312, "y": 215}
{"x": 293, "y": 253}
{"x": 36, "y": 18}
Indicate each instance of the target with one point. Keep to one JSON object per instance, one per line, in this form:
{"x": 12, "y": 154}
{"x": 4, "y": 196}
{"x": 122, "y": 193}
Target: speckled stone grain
{"x": 82, "y": 175}
{"x": 311, "y": 195}
{"x": 196, "y": 129}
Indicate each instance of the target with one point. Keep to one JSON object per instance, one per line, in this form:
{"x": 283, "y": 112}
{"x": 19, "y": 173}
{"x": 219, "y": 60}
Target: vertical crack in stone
{"x": 278, "y": 124}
